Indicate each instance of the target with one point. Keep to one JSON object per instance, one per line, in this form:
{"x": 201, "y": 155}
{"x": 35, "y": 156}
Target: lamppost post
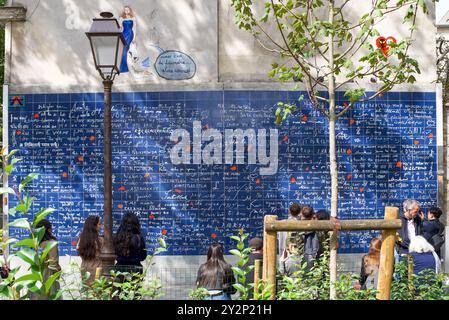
{"x": 108, "y": 253}
{"x": 107, "y": 44}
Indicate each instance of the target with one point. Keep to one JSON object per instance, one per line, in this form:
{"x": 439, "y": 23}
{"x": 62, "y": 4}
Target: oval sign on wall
{"x": 175, "y": 65}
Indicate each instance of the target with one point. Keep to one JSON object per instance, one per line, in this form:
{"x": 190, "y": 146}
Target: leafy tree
{"x": 318, "y": 44}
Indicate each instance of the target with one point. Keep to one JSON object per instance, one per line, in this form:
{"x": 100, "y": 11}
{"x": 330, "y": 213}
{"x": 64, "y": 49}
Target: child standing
{"x": 433, "y": 229}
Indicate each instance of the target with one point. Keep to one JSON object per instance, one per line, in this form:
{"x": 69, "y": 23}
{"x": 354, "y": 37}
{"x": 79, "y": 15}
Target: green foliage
{"x": 263, "y": 291}
{"x": 314, "y": 284}
{"x": 302, "y": 37}
{"x": 425, "y": 286}
{"x": 198, "y": 294}
{"x": 33, "y": 284}
{"x": 241, "y": 270}
{"x": 123, "y": 286}
{"x": 307, "y": 284}
{"x": 244, "y": 286}
{"x": 346, "y": 291}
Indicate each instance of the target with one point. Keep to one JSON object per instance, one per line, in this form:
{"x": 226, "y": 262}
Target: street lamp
{"x": 107, "y": 43}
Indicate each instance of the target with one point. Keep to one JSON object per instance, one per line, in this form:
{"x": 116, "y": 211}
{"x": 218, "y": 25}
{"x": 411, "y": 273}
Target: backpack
{"x": 312, "y": 246}
{"x": 437, "y": 241}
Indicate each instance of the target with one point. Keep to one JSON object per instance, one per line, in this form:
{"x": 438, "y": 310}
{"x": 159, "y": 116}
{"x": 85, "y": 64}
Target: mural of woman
{"x": 128, "y": 22}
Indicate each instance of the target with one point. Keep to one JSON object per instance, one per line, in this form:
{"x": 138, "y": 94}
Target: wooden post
{"x": 257, "y": 264}
{"x": 269, "y": 255}
{"x": 410, "y": 268}
{"x": 387, "y": 256}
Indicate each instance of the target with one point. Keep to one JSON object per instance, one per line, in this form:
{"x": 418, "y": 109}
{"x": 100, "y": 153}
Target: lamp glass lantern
{"x": 107, "y": 43}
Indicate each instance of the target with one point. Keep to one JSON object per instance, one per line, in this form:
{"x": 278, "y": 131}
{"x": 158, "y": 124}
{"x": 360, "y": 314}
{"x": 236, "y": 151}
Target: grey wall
{"x": 50, "y": 52}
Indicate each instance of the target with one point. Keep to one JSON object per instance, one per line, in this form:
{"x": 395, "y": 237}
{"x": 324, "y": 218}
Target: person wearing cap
{"x": 256, "y": 244}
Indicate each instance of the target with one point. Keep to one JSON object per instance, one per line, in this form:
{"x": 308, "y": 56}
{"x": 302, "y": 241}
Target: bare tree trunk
{"x": 332, "y": 160}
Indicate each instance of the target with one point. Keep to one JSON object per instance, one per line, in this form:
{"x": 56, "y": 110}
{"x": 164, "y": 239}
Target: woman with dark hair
{"x": 51, "y": 265}
{"x": 216, "y": 275}
{"x": 129, "y": 245}
{"x": 89, "y": 248}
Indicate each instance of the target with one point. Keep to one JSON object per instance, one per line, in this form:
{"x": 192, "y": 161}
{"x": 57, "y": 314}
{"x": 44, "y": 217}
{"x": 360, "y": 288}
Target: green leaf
{"x": 378, "y": 13}
{"x": 10, "y": 167}
{"x": 42, "y": 214}
{"x": 28, "y": 202}
{"x": 50, "y": 245}
{"x": 39, "y": 233}
{"x": 21, "y": 207}
{"x": 243, "y": 262}
{"x": 348, "y": 63}
{"x": 236, "y": 252}
{"x": 27, "y": 255}
{"x": 12, "y": 153}
{"x": 20, "y": 223}
{"x": 411, "y": 79}
{"x": 239, "y": 287}
{"x": 238, "y": 271}
{"x": 51, "y": 280}
{"x": 278, "y": 119}
{"x": 235, "y": 238}
{"x": 162, "y": 243}
{"x": 28, "y": 242}
{"x": 27, "y": 180}
{"x": 29, "y": 277}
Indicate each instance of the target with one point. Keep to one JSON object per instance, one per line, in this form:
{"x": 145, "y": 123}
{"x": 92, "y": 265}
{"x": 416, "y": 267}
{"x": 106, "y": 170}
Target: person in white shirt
{"x": 411, "y": 225}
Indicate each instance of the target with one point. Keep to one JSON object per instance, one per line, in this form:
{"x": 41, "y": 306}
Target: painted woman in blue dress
{"x": 128, "y": 23}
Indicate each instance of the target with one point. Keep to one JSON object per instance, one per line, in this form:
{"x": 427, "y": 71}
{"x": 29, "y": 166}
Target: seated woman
{"x": 216, "y": 275}
{"x": 370, "y": 266}
{"x": 424, "y": 256}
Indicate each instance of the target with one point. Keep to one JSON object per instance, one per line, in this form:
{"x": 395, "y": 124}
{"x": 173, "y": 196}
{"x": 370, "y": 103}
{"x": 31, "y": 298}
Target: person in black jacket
{"x": 216, "y": 275}
{"x": 129, "y": 245}
{"x": 433, "y": 229}
{"x": 411, "y": 225}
